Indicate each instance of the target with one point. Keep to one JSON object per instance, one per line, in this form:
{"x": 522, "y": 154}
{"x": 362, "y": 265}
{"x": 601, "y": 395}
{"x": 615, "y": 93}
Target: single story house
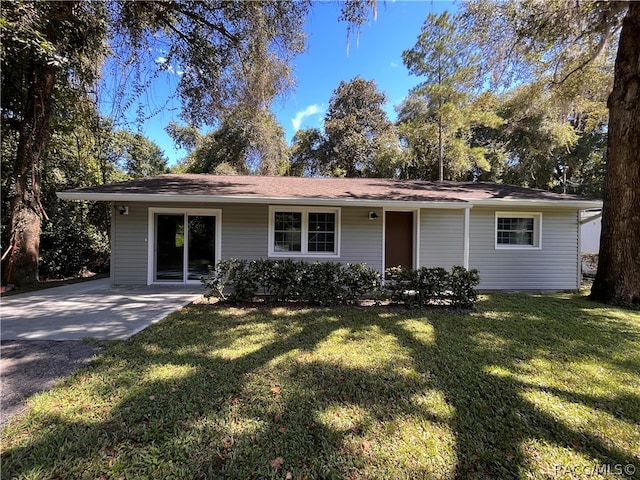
{"x": 169, "y": 228}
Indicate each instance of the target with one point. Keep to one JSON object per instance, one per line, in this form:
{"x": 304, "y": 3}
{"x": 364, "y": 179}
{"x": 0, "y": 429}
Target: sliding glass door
{"x": 185, "y": 244}
{"x": 202, "y": 245}
{"x": 170, "y": 248}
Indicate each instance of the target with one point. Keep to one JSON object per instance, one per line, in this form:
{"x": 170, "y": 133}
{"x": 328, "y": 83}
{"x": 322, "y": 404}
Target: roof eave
{"x": 173, "y": 198}
{"x": 510, "y": 202}
{"x": 334, "y": 202}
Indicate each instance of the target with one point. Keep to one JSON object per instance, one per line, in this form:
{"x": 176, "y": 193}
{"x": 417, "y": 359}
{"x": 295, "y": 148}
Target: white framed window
{"x": 518, "y": 230}
{"x": 304, "y": 232}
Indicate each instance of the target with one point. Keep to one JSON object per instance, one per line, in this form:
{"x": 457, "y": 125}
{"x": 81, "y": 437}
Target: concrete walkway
{"x": 92, "y": 309}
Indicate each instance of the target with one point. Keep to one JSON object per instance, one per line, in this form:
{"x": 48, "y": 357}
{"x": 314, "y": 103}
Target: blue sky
{"x": 376, "y": 54}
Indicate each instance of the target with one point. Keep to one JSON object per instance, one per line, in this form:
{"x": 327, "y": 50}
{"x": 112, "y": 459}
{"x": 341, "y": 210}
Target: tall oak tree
{"x": 557, "y": 40}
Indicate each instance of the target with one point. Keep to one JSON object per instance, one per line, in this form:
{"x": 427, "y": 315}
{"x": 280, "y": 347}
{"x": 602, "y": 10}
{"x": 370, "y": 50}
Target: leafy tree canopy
{"x": 358, "y": 139}
{"x": 354, "y": 123}
{"x": 437, "y": 119}
{"x": 308, "y": 153}
{"x": 139, "y": 156}
{"x": 244, "y": 143}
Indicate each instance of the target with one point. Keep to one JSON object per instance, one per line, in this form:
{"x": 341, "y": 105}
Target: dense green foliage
{"x": 358, "y": 139}
{"x": 356, "y": 126}
{"x": 307, "y": 153}
{"x": 539, "y": 132}
{"x": 246, "y": 142}
{"x": 286, "y": 280}
{"x": 84, "y": 149}
{"x": 331, "y": 283}
{"x": 449, "y": 69}
{"x": 138, "y": 156}
{"x": 432, "y": 286}
{"x": 533, "y": 130}
{"x": 50, "y": 52}
{"x": 71, "y": 244}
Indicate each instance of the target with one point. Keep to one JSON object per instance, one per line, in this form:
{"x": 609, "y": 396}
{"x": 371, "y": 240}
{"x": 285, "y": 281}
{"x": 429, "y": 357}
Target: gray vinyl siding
{"x": 245, "y": 229}
{"x": 245, "y": 232}
{"x": 244, "y": 235}
{"x": 129, "y": 246}
{"x": 360, "y": 238}
{"x": 441, "y": 238}
{"x": 553, "y": 267}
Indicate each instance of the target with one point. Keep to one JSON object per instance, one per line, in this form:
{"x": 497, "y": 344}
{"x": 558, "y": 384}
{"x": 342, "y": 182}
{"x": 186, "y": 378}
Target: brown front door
{"x": 398, "y": 239}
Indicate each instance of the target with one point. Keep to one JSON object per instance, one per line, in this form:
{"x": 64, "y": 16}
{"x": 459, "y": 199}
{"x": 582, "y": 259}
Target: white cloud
{"x": 163, "y": 63}
{"x": 301, "y": 115}
{"x": 394, "y": 65}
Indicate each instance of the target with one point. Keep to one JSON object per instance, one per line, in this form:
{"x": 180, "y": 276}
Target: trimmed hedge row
{"x": 319, "y": 283}
{"x": 432, "y": 286}
{"x": 330, "y": 283}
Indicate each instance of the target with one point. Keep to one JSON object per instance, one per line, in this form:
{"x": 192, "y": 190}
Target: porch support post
{"x": 465, "y": 252}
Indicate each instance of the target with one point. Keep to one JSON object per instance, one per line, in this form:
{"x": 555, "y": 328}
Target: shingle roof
{"x": 303, "y": 188}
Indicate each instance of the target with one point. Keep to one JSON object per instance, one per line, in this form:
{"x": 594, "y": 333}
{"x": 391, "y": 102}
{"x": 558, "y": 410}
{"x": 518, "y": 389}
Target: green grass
{"x": 527, "y": 386}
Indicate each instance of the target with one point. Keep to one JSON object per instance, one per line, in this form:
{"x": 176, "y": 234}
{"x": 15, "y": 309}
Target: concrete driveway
{"x": 92, "y": 309}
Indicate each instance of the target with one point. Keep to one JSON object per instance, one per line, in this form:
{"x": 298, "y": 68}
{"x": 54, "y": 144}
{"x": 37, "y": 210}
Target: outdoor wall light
{"x": 373, "y": 215}
{"x": 122, "y": 209}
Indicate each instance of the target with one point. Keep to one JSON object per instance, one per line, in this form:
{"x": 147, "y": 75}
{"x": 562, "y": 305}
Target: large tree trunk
{"x": 25, "y": 206}
{"x": 38, "y": 77}
{"x": 618, "y": 278}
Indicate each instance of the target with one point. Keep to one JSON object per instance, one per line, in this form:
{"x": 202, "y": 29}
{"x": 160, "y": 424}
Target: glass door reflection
{"x": 170, "y": 247}
{"x": 201, "y": 248}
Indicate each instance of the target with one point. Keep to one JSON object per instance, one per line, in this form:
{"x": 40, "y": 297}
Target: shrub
{"x": 432, "y": 286}
{"x": 279, "y": 279}
{"x": 236, "y": 276}
{"x": 399, "y": 283}
{"x": 319, "y": 283}
{"x": 358, "y": 281}
{"x": 330, "y": 283}
{"x": 462, "y": 283}
{"x": 323, "y": 283}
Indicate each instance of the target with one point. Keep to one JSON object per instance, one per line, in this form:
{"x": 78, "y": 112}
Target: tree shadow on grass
{"x": 190, "y": 415}
{"x": 231, "y": 399}
{"x": 494, "y": 420}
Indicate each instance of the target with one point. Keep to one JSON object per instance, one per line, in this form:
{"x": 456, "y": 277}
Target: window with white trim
{"x": 287, "y": 232}
{"x": 304, "y": 231}
{"x": 518, "y": 230}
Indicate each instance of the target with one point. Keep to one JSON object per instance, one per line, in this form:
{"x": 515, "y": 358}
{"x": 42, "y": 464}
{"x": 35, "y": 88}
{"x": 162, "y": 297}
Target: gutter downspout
{"x": 579, "y": 272}
{"x": 112, "y": 246}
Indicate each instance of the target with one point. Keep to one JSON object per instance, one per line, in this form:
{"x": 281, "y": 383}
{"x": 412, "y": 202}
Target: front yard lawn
{"x": 526, "y": 386}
